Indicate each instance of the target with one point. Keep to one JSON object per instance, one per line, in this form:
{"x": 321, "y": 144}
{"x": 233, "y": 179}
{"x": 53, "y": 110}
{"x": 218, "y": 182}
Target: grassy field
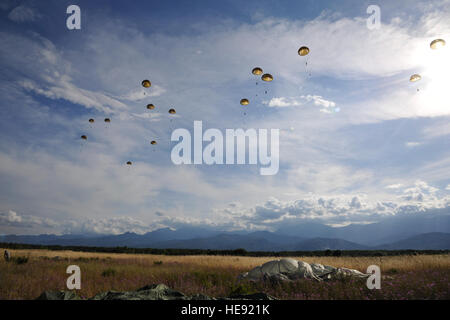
{"x": 404, "y": 277}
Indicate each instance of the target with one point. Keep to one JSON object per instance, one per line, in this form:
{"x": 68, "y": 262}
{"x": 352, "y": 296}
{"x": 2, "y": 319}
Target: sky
{"x": 358, "y": 141}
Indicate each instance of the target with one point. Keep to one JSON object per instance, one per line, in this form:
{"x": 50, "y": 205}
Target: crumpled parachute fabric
{"x": 290, "y": 269}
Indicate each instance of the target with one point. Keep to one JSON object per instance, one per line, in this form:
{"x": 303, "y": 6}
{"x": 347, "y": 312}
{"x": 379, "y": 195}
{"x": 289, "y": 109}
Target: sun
{"x": 435, "y": 87}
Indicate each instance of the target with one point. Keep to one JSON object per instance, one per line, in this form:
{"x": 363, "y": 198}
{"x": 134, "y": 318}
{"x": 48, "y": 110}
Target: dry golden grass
{"x": 401, "y": 263}
{"x": 211, "y": 275}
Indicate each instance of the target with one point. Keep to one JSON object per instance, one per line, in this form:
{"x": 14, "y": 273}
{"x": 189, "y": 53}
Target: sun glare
{"x": 435, "y": 85}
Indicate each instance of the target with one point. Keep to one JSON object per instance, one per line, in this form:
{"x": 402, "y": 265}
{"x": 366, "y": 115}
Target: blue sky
{"x": 358, "y": 141}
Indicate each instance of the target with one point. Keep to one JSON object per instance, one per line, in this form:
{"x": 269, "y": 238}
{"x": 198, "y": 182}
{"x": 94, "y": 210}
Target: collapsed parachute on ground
{"x": 172, "y": 111}
{"x": 146, "y": 83}
{"x": 91, "y": 120}
{"x": 153, "y": 142}
{"x": 415, "y": 77}
{"x": 107, "y": 120}
{"x": 257, "y": 71}
{"x": 290, "y": 269}
{"x": 267, "y": 77}
{"x": 84, "y": 137}
{"x": 303, "y": 51}
{"x": 436, "y": 44}
{"x": 244, "y": 102}
{"x": 129, "y": 163}
{"x": 150, "y": 106}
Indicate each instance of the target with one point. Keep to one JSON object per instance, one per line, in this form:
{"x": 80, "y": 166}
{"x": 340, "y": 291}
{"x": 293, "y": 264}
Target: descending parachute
{"x": 244, "y": 102}
{"x": 107, "y": 120}
{"x": 84, "y": 137}
{"x": 146, "y": 83}
{"x": 91, "y": 120}
{"x": 415, "y": 77}
{"x": 267, "y": 77}
{"x": 172, "y": 111}
{"x": 153, "y": 142}
{"x": 438, "y": 43}
{"x": 257, "y": 71}
{"x": 303, "y": 51}
{"x": 129, "y": 163}
{"x": 150, "y": 106}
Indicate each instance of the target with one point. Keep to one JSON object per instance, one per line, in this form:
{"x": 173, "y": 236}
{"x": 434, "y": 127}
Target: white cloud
{"x": 64, "y": 89}
{"x": 12, "y": 217}
{"x": 319, "y": 101}
{"x": 25, "y": 221}
{"x": 335, "y": 210}
{"x": 283, "y": 102}
{"x": 412, "y": 144}
{"x": 150, "y": 116}
{"x": 109, "y": 82}
{"x": 117, "y": 225}
{"x": 327, "y": 106}
{"x": 48, "y": 73}
{"x": 394, "y": 186}
{"x": 23, "y": 14}
{"x": 437, "y": 130}
{"x": 340, "y": 209}
{"x": 141, "y": 93}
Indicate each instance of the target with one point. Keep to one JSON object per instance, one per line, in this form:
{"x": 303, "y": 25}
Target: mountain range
{"x": 391, "y": 234}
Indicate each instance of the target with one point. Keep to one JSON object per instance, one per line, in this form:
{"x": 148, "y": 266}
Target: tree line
{"x": 234, "y": 252}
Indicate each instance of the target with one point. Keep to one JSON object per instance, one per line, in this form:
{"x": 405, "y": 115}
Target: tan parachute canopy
{"x": 244, "y": 102}
{"x": 153, "y": 142}
{"x": 146, "y": 83}
{"x": 107, "y": 120}
{"x": 150, "y": 106}
{"x": 84, "y": 137}
{"x": 303, "y": 51}
{"x": 129, "y": 163}
{"x": 91, "y": 120}
{"x": 438, "y": 43}
{"x": 172, "y": 111}
{"x": 267, "y": 77}
{"x": 257, "y": 71}
{"x": 415, "y": 77}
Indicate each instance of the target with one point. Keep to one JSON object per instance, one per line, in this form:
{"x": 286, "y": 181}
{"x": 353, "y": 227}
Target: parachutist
{"x": 244, "y": 102}
{"x": 146, "y": 84}
{"x": 415, "y": 77}
{"x": 436, "y": 44}
{"x": 257, "y": 71}
{"x": 267, "y": 77}
{"x": 303, "y": 51}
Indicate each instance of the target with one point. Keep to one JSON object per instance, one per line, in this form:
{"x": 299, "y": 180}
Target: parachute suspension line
{"x": 172, "y": 111}
{"x": 170, "y": 132}
{"x": 303, "y": 52}
{"x": 414, "y": 78}
{"x": 306, "y": 65}
{"x": 82, "y": 142}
